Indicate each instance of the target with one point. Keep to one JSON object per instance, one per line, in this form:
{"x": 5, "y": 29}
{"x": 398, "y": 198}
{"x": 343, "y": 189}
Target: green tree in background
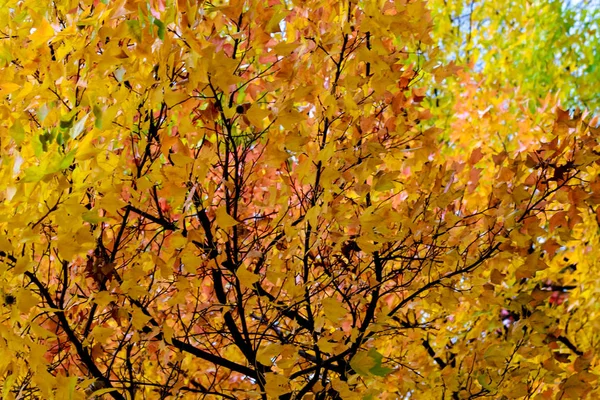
{"x": 538, "y": 46}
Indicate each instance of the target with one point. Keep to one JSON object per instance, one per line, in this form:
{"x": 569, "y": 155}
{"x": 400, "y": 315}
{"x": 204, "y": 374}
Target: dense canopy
{"x": 284, "y": 199}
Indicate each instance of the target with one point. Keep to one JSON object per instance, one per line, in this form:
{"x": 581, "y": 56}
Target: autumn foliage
{"x": 274, "y": 199}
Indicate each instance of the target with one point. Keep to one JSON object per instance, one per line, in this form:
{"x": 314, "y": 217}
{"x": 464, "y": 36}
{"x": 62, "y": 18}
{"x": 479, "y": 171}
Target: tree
{"x": 505, "y": 43}
{"x": 257, "y": 199}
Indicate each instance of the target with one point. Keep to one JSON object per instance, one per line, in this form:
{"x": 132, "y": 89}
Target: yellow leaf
{"x": 173, "y": 97}
{"x": 65, "y": 33}
{"x": 43, "y": 33}
{"x": 168, "y": 334}
{"x": 101, "y": 334}
{"x": 26, "y": 300}
{"x": 5, "y": 245}
{"x": 21, "y": 266}
{"x": 86, "y": 149}
{"x": 9, "y": 87}
{"x": 288, "y": 357}
{"x": 246, "y": 277}
{"x": 285, "y": 49}
{"x": 9, "y": 382}
{"x": 366, "y": 245}
{"x": 312, "y": 216}
{"x": 256, "y": 116}
{"x": 576, "y": 386}
{"x": 181, "y": 160}
{"x": 325, "y": 345}
{"x": 384, "y": 181}
{"x": 133, "y": 289}
{"x": 276, "y": 385}
{"x": 334, "y": 311}
{"x": 496, "y": 355}
{"x": 102, "y": 298}
{"x": 266, "y": 354}
{"x": 224, "y": 220}
{"x": 327, "y": 153}
{"x": 362, "y": 363}
{"x": 111, "y": 202}
{"x": 41, "y": 332}
{"x": 139, "y": 320}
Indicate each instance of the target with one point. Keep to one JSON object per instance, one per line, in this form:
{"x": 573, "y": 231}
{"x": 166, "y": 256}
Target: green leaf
{"x": 482, "y": 379}
{"x": 8, "y": 384}
{"x": 98, "y": 116}
{"x": 92, "y": 217}
{"x": 60, "y": 139}
{"x": 378, "y": 369}
{"x": 67, "y": 123}
{"x": 369, "y": 364}
{"x": 34, "y": 174}
{"x": 161, "y": 28}
{"x": 67, "y": 160}
{"x": 384, "y": 181}
{"x": 362, "y": 363}
{"x": 135, "y": 29}
{"x": 17, "y": 132}
{"x": 372, "y": 394}
{"x": 496, "y": 355}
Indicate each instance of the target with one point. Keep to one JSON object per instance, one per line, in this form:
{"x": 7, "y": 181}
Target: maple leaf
{"x": 282, "y": 200}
